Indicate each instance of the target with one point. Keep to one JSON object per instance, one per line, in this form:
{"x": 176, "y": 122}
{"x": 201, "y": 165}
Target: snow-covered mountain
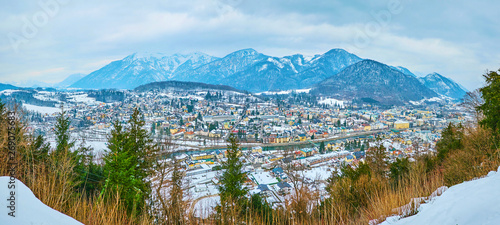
{"x": 372, "y": 81}
{"x": 443, "y": 86}
{"x": 245, "y": 69}
{"x": 403, "y": 70}
{"x": 250, "y": 70}
{"x": 138, "y": 69}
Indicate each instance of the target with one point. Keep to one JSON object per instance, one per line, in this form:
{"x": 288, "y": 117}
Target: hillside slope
{"x": 29, "y": 210}
{"x": 471, "y": 202}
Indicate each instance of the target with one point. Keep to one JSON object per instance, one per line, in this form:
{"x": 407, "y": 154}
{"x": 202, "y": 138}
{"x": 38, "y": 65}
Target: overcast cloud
{"x": 48, "y": 40}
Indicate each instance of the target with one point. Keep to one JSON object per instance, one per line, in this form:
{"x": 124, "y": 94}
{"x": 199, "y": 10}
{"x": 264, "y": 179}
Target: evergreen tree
{"x": 200, "y": 118}
{"x": 322, "y": 147}
{"x": 451, "y": 139}
{"x": 399, "y": 169}
{"x": 231, "y": 190}
{"x": 129, "y": 162}
{"x": 491, "y": 106}
{"x": 63, "y": 141}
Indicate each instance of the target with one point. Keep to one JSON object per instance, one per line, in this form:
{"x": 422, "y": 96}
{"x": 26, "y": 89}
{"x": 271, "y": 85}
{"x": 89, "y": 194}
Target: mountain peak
{"x": 435, "y": 75}
{"x": 244, "y": 52}
{"x": 143, "y": 55}
{"x": 337, "y": 51}
{"x": 443, "y": 85}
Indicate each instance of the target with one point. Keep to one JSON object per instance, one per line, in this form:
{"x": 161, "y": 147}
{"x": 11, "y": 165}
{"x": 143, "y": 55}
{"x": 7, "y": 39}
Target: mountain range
{"x": 252, "y": 71}
{"x": 245, "y": 69}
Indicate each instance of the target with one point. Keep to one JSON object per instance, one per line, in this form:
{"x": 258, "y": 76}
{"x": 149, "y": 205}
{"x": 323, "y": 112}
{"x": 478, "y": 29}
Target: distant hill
{"x": 443, "y": 86}
{"x": 7, "y": 86}
{"x": 183, "y": 85}
{"x": 369, "y": 80}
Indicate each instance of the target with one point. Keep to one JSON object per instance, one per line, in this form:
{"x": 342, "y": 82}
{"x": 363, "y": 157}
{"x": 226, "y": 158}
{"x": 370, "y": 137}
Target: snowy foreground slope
{"x": 471, "y": 202}
{"x": 28, "y": 209}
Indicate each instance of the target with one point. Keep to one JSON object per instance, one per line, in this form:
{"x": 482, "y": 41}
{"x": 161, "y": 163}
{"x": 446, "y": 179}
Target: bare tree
{"x": 471, "y": 101}
{"x": 171, "y": 204}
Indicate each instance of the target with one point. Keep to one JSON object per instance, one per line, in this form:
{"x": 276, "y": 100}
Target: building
{"x": 401, "y": 125}
{"x": 307, "y": 152}
{"x": 284, "y": 187}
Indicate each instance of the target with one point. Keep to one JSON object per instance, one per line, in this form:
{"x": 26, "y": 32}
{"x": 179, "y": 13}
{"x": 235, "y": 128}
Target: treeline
{"x": 107, "y": 95}
{"x": 27, "y": 96}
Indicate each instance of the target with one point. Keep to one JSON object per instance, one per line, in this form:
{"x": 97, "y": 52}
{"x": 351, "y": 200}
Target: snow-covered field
{"x": 41, "y": 109}
{"x": 263, "y": 177}
{"x": 82, "y": 98}
{"x": 284, "y": 92}
{"x": 28, "y": 209}
{"x": 318, "y": 173}
{"x": 471, "y": 202}
{"x": 205, "y": 207}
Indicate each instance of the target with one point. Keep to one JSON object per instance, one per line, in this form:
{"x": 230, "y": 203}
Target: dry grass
{"x": 51, "y": 181}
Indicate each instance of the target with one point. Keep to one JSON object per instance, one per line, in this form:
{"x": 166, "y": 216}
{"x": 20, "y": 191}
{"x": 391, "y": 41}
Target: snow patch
{"x": 471, "y": 202}
{"x": 284, "y": 92}
{"x": 331, "y": 101}
{"x": 41, "y": 109}
{"x": 28, "y": 209}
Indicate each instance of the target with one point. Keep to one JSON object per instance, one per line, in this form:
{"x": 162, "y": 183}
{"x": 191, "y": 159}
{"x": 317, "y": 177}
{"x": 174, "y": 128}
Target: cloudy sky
{"x": 47, "y": 40}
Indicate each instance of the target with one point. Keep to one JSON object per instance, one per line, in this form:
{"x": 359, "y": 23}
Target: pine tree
{"x": 231, "y": 190}
{"x": 322, "y": 147}
{"x": 451, "y": 139}
{"x": 200, "y": 118}
{"x": 129, "y": 162}
{"x": 491, "y": 106}
{"x": 63, "y": 141}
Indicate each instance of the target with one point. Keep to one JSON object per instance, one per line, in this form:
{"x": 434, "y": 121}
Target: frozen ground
{"x": 28, "y": 209}
{"x": 321, "y": 173}
{"x": 205, "y": 207}
{"x": 41, "y": 109}
{"x": 471, "y": 202}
